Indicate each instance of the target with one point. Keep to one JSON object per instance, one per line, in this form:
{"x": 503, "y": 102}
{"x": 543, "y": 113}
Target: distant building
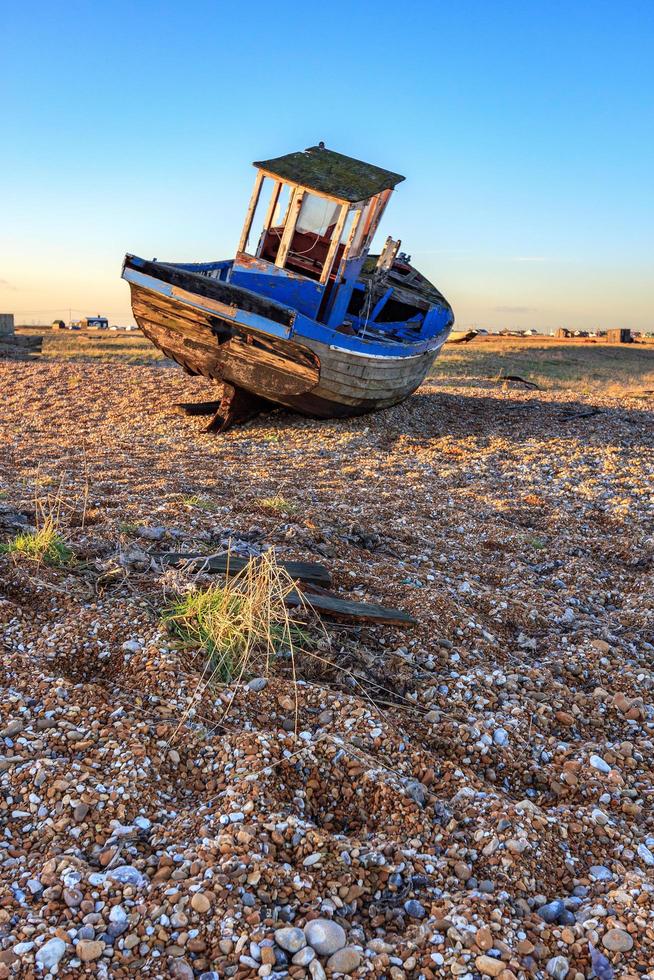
{"x": 6, "y": 323}
{"x": 563, "y": 333}
{"x": 95, "y": 323}
{"x": 618, "y": 336}
{"x": 58, "y": 325}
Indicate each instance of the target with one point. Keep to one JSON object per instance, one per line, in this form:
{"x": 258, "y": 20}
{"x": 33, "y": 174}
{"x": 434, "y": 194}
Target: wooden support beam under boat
{"x": 198, "y": 408}
{"x": 238, "y": 405}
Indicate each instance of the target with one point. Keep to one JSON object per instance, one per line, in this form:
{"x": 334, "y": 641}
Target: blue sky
{"x": 525, "y": 131}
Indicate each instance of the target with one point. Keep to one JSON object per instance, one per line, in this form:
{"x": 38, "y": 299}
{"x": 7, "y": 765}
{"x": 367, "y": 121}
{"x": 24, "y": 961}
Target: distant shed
{"x": 6, "y": 323}
{"x": 619, "y": 336}
{"x": 95, "y": 322}
{"x": 562, "y": 333}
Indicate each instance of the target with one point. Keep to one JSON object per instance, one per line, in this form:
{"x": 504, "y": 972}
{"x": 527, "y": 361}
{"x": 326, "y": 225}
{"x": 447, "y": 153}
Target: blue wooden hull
{"x": 225, "y": 331}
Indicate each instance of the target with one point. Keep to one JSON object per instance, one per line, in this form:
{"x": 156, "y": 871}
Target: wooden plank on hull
{"x": 387, "y": 377}
{"x": 369, "y": 391}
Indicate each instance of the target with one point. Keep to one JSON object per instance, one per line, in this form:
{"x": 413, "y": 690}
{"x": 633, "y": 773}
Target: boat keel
{"x": 238, "y": 405}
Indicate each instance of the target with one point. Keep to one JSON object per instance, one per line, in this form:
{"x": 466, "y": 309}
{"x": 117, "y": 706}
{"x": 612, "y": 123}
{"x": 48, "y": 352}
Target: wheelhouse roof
{"x": 328, "y": 172}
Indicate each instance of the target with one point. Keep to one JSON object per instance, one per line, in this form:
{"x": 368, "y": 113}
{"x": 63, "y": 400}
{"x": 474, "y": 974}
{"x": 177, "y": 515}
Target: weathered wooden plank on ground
{"x": 329, "y": 604}
{"x": 303, "y": 571}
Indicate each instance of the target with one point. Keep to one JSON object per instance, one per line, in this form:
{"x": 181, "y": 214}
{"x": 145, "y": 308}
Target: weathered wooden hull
{"x": 353, "y": 385}
{"x": 233, "y": 336}
{"x": 310, "y": 377}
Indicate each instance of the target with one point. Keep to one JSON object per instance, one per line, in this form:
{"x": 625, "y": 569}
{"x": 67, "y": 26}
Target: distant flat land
{"x": 543, "y": 360}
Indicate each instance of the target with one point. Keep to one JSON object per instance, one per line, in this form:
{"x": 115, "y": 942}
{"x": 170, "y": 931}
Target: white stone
{"x": 558, "y": 967}
{"x": 290, "y": 938}
{"x": 597, "y": 762}
{"x": 50, "y": 953}
{"x": 325, "y": 935}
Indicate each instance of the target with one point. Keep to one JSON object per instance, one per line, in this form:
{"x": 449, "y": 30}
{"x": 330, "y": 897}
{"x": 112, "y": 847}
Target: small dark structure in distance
{"x": 619, "y": 335}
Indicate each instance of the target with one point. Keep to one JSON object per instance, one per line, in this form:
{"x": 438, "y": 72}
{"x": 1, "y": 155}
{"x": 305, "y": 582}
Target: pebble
{"x": 151, "y": 533}
{"x": 81, "y": 811}
{"x": 131, "y": 646}
{"x": 600, "y": 873}
{"x": 50, "y": 953}
{"x": 617, "y": 941}
{"x": 290, "y": 939}
{"x": 304, "y": 956}
{"x": 597, "y": 762}
{"x": 415, "y": 909}
{"x": 489, "y": 966}
{"x": 552, "y": 911}
{"x": 89, "y": 949}
{"x": 257, "y": 684}
{"x": 558, "y": 967}
{"x": 200, "y": 902}
{"x": 325, "y": 935}
{"x": 316, "y": 970}
{"x": 345, "y": 960}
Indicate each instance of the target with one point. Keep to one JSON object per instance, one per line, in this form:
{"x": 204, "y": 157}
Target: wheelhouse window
{"x": 277, "y": 210}
{"x": 312, "y": 238}
{"x": 302, "y": 231}
{"x": 268, "y": 219}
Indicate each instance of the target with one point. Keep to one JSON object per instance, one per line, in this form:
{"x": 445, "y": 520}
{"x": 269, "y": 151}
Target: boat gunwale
{"x": 302, "y": 327}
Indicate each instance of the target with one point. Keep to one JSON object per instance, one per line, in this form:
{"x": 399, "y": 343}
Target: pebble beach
{"x": 468, "y": 797}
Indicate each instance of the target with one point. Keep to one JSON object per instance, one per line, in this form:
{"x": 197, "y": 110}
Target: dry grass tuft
{"x": 45, "y": 544}
{"x": 244, "y": 624}
{"x": 279, "y": 505}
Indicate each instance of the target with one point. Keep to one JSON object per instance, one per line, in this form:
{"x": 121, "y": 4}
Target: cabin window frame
{"x": 368, "y": 211}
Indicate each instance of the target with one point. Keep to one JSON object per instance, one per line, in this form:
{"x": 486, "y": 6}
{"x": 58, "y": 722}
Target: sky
{"x": 525, "y": 131}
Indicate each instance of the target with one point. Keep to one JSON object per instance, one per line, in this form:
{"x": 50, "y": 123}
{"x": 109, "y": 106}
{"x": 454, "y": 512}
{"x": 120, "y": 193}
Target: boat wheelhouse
{"x": 303, "y": 316}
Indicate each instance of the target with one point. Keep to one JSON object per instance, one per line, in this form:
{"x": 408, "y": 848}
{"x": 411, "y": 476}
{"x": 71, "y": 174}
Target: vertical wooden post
{"x": 289, "y": 230}
{"x": 254, "y": 200}
{"x": 348, "y": 245}
{"x": 375, "y": 217}
{"x": 272, "y": 204}
{"x": 336, "y": 238}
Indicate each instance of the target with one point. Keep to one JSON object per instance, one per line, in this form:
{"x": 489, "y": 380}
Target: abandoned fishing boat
{"x": 303, "y": 316}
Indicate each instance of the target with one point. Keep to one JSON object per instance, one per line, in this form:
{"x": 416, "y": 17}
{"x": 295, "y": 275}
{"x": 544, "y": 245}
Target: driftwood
{"x": 303, "y": 571}
{"x": 571, "y": 416}
{"x": 332, "y": 605}
{"x": 518, "y": 380}
{"x": 311, "y": 574}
